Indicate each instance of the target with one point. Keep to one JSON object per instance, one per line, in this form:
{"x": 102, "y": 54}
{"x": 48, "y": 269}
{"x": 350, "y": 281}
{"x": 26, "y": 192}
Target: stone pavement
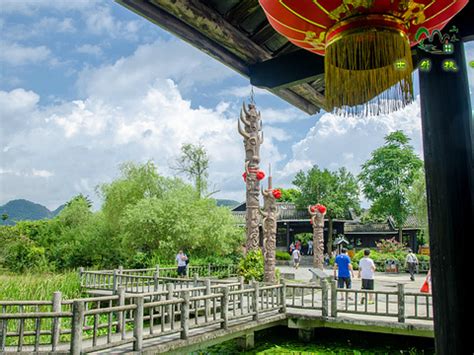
{"x": 383, "y": 281}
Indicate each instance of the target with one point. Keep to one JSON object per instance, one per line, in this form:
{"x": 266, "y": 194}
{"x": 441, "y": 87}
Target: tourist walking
{"x": 411, "y": 261}
{"x": 181, "y": 259}
{"x": 298, "y": 246}
{"x": 292, "y": 247}
{"x": 310, "y": 247}
{"x": 343, "y": 268}
{"x": 327, "y": 259}
{"x": 367, "y": 272}
{"x": 296, "y": 258}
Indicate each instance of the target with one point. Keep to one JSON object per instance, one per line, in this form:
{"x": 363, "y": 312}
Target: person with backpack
{"x": 411, "y": 261}
{"x": 182, "y": 261}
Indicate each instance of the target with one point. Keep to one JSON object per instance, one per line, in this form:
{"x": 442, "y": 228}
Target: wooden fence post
{"x": 77, "y": 325}
{"x": 333, "y": 299}
{"x": 81, "y": 271}
{"x": 283, "y": 295}
{"x": 157, "y": 270}
{"x": 115, "y": 281}
{"x": 120, "y": 314}
{"x": 255, "y": 300}
{"x": 138, "y": 324}
{"x": 209, "y": 269}
{"x": 3, "y": 334}
{"x": 56, "y": 329}
{"x": 185, "y": 315}
{"x": 195, "y": 279}
{"x": 324, "y": 298}
{"x": 401, "y": 302}
{"x": 225, "y": 307}
{"x": 208, "y": 292}
{"x": 169, "y": 296}
{"x": 156, "y": 283}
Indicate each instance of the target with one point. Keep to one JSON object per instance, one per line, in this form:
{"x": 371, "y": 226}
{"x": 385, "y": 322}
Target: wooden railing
{"x": 98, "y": 323}
{"x": 333, "y": 301}
{"x": 147, "y": 279}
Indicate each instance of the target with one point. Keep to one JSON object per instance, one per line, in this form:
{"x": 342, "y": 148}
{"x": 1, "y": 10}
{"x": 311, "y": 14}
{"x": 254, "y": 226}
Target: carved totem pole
{"x": 317, "y": 213}
{"x": 253, "y": 138}
{"x": 269, "y": 225}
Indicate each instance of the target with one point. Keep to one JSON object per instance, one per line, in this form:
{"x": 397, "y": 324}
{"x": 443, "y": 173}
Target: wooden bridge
{"x": 150, "y": 313}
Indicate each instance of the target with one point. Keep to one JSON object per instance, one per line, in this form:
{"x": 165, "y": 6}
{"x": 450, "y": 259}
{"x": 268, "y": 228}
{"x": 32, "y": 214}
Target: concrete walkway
{"x": 383, "y": 281}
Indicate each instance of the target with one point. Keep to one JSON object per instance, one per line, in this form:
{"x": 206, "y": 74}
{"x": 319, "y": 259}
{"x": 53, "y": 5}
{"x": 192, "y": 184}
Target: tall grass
{"x": 38, "y": 286}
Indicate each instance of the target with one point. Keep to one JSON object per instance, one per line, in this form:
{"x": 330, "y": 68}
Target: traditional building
{"x": 292, "y": 221}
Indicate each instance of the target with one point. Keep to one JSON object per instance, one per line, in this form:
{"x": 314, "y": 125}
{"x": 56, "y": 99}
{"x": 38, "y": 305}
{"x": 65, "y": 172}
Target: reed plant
{"x": 38, "y": 286}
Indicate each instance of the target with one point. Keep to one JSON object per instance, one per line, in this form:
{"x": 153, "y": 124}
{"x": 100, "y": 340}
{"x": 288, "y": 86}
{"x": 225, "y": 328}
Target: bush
{"x": 23, "y": 254}
{"x": 252, "y": 266}
{"x": 379, "y": 258}
{"x": 282, "y": 255}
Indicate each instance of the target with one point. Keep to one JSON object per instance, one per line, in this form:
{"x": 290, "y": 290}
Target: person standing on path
{"x": 310, "y": 247}
{"x": 411, "y": 261}
{"x": 367, "y": 271}
{"x": 344, "y": 270}
{"x": 181, "y": 259}
{"x": 296, "y": 258}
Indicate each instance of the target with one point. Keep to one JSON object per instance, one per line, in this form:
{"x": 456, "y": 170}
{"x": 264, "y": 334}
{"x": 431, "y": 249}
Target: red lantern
{"x": 244, "y": 175}
{"x": 260, "y": 175}
{"x": 322, "y": 209}
{"x": 313, "y": 208}
{"x": 277, "y": 193}
{"x": 361, "y": 41}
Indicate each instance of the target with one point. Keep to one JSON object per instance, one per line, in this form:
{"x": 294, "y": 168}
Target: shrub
{"x": 282, "y": 255}
{"x": 252, "y": 266}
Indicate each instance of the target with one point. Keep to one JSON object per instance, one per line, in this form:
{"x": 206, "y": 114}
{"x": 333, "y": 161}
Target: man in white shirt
{"x": 181, "y": 260}
{"x": 411, "y": 261}
{"x": 296, "y": 258}
{"x": 367, "y": 271}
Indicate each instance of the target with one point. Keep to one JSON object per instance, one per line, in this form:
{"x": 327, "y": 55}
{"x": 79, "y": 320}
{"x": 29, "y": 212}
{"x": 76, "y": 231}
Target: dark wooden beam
{"x": 186, "y": 32}
{"x": 448, "y": 153}
{"x": 211, "y": 24}
{"x": 263, "y": 34}
{"x": 293, "y": 68}
{"x": 241, "y": 11}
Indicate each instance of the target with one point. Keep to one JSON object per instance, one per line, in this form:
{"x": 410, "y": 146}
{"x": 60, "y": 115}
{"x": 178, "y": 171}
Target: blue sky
{"x": 87, "y": 85}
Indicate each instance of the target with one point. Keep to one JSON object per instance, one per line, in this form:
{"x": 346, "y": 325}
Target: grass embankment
{"x": 38, "y": 286}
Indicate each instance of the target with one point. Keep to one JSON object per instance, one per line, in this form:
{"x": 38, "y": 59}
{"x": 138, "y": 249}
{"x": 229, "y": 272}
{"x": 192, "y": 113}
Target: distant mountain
{"x": 20, "y": 210}
{"x": 227, "y": 203}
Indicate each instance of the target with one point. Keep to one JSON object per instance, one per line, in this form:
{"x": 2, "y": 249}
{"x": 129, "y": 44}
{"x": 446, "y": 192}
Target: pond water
{"x": 282, "y": 340}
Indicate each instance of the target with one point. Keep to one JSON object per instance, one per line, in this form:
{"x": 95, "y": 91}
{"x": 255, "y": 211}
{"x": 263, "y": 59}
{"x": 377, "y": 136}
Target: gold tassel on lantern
{"x": 365, "y": 55}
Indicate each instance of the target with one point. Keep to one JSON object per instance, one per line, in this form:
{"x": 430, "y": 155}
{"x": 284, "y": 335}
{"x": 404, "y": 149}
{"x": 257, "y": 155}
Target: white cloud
{"x": 16, "y": 54}
{"x": 91, "y": 49}
{"x": 133, "y": 75}
{"x": 42, "y": 173}
{"x": 243, "y": 91}
{"x": 338, "y": 141}
{"x": 271, "y": 115}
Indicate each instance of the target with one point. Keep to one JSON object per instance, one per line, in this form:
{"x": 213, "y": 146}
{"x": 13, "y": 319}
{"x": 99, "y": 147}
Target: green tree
{"x": 388, "y": 176}
{"x": 136, "y": 182}
{"x": 179, "y": 220}
{"x": 194, "y": 163}
{"x": 418, "y": 203}
{"x": 289, "y": 195}
{"x": 337, "y": 190}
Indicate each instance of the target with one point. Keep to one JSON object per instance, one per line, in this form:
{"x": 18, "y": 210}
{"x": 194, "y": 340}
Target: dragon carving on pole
{"x": 250, "y": 127}
{"x": 317, "y": 213}
{"x": 269, "y": 225}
